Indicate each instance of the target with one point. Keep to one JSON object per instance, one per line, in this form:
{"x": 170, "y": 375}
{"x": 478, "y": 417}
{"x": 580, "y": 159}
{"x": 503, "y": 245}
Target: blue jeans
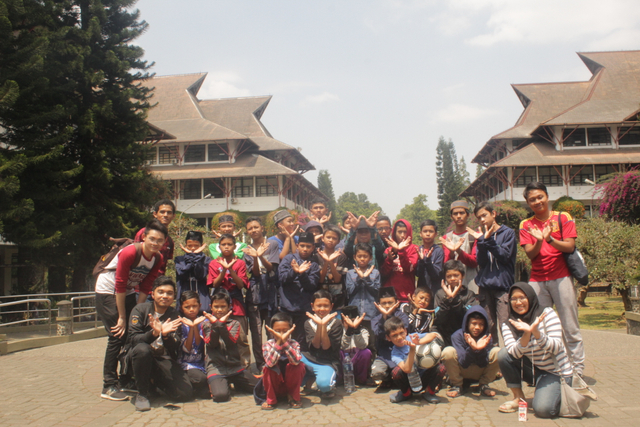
{"x": 325, "y": 375}
{"x": 546, "y": 401}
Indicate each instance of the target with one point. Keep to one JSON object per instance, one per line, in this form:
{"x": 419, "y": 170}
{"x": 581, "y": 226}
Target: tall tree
{"x": 450, "y": 178}
{"x": 326, "y": 187}
{"x": 479, "y": 170}
{"x": 356, "y": 204}
{"x": 77, "y": 119}
{"x": 415, "y": 213}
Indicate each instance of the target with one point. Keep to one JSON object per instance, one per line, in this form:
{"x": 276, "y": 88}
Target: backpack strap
{"x": 560, "y": 224}
{"x": 138, "y": 247}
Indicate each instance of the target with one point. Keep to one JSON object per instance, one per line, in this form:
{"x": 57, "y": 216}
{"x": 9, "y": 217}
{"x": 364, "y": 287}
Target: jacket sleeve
{"x": 352, "y": 284}
{"x": 505, "y": 252}
{"x": 408, "y": 258}
{"x": 434, "y": 266}
{"x": 361, "y": 339}
{"x": 139, "y": 329}
{"x": 469, "y": 259}
{"x": 550, "y": 333}
{"x": 286, "y": 274}
{"x": 348, "y": 246}
{"x": 387, "y": 263}
{"x": 482, "y": 253}
{"x": 372, "y": 283}
{"x": 241, "y": 270}
{"x": 310, "y": 278}
{"x": 335, "y": 334}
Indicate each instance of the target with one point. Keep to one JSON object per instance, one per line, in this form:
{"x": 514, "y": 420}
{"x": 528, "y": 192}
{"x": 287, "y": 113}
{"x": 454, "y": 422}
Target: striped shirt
{"x": 540, "y": 351}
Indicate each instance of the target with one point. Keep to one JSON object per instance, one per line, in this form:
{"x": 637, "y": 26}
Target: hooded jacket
{"x": 296, "y": 290}
{"x": 400, "y": 271}
{"x": 466, "y": 355}
{"x": 449, "y": 312}
{"x": 496, "y": 259}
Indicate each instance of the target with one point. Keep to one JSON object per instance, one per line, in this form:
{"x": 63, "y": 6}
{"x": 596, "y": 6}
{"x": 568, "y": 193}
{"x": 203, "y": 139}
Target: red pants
{"x": 276, "y": 385}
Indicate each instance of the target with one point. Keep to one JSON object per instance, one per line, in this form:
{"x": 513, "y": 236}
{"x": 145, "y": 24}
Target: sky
{"x": 366, "y": 88}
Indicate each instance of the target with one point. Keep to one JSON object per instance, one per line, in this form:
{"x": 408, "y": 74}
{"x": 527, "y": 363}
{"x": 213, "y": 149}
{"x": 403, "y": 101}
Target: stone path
{"x": 60, "y": 386}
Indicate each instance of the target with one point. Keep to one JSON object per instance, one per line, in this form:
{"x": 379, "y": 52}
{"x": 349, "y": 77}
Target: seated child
{"x": 400, "y": 261}
{"x": 324, "y": 335}
{"x": 355, "y": 342}
{"x": 404, "y": 355}
{"x": 429, "y": 268}
{"x": 192, "y": 268}
{"x": 333, "y": 266}
{"x": 283, "y": 373}
{"x": 472, "y": 356}
{"x": 224, "y": 364}
{"x": 191, "y": 354}
{"x": 363, "y": 283}
{"x": 417, "y": 310}
{"x": 226, "y": 225}
{"x": 452, "y": 301}
{"x": 388, "y": 306}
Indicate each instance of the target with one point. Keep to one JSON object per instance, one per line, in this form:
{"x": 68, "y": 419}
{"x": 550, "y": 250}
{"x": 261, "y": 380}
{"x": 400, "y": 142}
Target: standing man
{"x": 459, "y": 244}
{"x": 550, "y": 278}
{"x": 164, "y": 211}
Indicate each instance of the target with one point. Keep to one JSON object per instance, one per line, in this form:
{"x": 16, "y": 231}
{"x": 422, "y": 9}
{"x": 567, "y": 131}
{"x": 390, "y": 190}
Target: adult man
{"x": 164, "y": 211}
{"x": 459, "y": 244}
{"x": 550, "y": 278}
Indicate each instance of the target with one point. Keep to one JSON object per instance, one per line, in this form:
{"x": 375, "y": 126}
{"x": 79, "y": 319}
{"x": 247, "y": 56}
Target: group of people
{"x": 361, "y": 291}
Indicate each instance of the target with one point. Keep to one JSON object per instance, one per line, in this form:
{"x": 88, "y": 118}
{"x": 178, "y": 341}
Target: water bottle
{"x": 349, "y": 380}
{"x": 414, "y": 380}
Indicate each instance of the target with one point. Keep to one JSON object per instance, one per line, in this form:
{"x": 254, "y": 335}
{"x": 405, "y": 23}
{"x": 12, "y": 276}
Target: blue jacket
{"x": 467, "y": 356}
{"x": 497, "y": 259}
{"x": 191, "y": 274}
{"x": 363, "y": 292}
{"x": 429, "y": 271}
{"x": 296, "y": 290}
{"x": 377, "y": 248}
{"x": 384, "y": 346}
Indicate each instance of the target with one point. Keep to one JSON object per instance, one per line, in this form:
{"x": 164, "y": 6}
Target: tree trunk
{"x": 79, "y": 280}
{"x": 57, "y": 279}
{"x": 624, "y": 293}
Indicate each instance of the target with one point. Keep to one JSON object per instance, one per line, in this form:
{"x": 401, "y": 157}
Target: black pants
{"x": 431, "y": 379}
{"x": 198, "y": 380}
{"x": 258, "y": 318}
{"x": 242, "y": 381}
{"x": 298, "y": 332}
{"x": 108, "y": 312}
{"x": 167, "y": 374}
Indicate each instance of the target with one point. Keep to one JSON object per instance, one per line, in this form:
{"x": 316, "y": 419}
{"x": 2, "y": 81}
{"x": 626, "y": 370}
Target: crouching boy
{"x": 283, "y": 373}
{"x": 355, "y": 342}
{"x": 153, "y": 346}
{"x": 406, "y": 375}
{"x": 472, "y": 357}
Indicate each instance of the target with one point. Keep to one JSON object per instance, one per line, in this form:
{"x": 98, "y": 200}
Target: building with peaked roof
{"x": 569, "y": 135}
{"x": 218, "y": 155}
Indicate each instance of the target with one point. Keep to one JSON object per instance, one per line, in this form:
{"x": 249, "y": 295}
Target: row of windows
{"x": 595, "y": 137}
{"x": 240, "y": 187}
{"x": 195, "y": 153}
{"x": 549, "y": 175}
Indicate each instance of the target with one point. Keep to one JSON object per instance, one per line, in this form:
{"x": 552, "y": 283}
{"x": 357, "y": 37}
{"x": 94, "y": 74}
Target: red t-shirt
{"x": 240, "y": 268}
{"x": 166, "y": 251}
{"x": 550, "y": 263}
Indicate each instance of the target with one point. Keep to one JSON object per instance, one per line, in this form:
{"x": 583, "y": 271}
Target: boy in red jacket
{"x": 400, "y": 261}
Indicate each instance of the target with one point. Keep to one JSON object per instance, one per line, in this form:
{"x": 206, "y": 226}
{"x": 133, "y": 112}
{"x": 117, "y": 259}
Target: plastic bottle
{"x": 414, "y": 380}
{"x": 349, "y": 380}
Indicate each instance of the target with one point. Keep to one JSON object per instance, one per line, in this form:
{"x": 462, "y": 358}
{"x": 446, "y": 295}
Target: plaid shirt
{"x": 273, "y": 352}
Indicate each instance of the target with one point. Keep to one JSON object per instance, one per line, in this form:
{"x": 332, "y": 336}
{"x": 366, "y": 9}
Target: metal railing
{"x": 93, "y": 313}
{"x": 28, "y": 311}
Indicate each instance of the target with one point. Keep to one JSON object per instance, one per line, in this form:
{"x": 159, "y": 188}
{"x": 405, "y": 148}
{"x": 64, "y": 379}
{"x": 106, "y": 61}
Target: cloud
{"x": 225, "y": 84}
{"x": 319, "y": 99}
{"x": 458, "y": 112}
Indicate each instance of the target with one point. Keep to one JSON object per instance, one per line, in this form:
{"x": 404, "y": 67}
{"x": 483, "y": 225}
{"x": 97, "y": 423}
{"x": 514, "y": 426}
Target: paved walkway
{"x": 60, "y": 386}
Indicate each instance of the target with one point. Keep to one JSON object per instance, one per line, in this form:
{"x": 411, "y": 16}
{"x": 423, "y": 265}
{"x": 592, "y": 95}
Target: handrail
{"x": 28, "y": 301}
{"x": 30, "y": 296}
{"x": 93, "y": 313}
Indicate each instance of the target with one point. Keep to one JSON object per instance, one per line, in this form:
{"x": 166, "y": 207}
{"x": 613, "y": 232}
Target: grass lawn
{"x": 602, "y": 313}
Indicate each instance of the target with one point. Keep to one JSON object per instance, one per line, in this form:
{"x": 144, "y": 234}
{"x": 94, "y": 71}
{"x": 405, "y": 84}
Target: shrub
{"x": 575, "y": 208}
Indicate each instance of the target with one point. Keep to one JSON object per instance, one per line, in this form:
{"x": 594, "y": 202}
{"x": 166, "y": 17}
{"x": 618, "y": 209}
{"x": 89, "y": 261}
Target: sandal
{"x": 267, "y": 406}
{"x": 508, "y": 407}
{"x": 485, "y": 390}
{"x": 295, "y": 404}
{"x": 454, "y": 391}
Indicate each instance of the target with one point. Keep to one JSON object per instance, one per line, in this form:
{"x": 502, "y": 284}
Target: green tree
{"x": 326, "y": 187}
{"x": 415, "y": 213}
{"x": 77, "y": 118}
{"x": 450, "y": 178}
{"x": 479, "y": 170}
{"x": 356, "y": 204}
{"x": 575, "y": 208}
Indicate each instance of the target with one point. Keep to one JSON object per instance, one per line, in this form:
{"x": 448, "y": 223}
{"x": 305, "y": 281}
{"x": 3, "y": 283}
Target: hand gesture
{"x": 185, "y": 321}
{"x": 317, "y": 238}
{"x": 482, "y": 342}
{"x": 448, "y": 243}
{"x": 406, "y": 242}
{"x": 371, "y": 221}
{"x": 251, "y": 251}
{"x": 237, "y": 233}
{"x": 215, "y": 234}
{"x": 392, "y": 244}
{"x": 477, "y": 234}
{"x": 385, "y": 313}
{"x": 426, "y": 254}
{"x": 120, "y": 328}
{"x": 225, "y": 265}
{"x": 210, "y": 317}
{"x": 324, "y": 219}
{"x": 345, "y": 230}
{"x": 448, "y": 291}
{"x": 357, "y": 321}
{"x": 155, "y": 324}
{"x": 321, "y": 321}
{"x": 169, "y": 326}
{"x": 412, "y": 340}
{"x": 263, "y": 248}
{"x": 352, "y": 220}
{"x": 535, "y": 232}
{"x": 494, "y": 227}
{"x": 368, "y": 272}
{"x": 546, "y": 232}
{"x": 224, "y": 318}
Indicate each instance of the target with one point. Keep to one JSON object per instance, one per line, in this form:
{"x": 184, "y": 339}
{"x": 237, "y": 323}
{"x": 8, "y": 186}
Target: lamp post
{"x": 208, "y": 196}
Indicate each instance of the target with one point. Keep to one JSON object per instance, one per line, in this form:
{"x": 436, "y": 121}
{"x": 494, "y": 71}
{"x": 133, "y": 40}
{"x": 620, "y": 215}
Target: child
{"x": 283, "y": 373}
{"x": 164, "y": 211}
{"x": 388, "y": 306}
{"x": 192, "y": 267}
{"x": 298, "y": 278}
{"x": 362, "y": 230}
{"x": 226, "y": 225}
{"x": 230, "y": 273}
{"x": 459, "y": 244}
{"x": 363, "y": 283}
{"x": 333, "y": 266}
{"x": 404, "y": 355}
{"x": 319, "y": 212}
{"x": 262, "y": 258}
{"x": 383, "y": 225}
{"x": 401, "y": 258}
{"x": 315, "y": 228}
{"x": 452, "y": 301}
{"x": 323, "y": 335}
{"x": 286, "y": 239}
{"x": 355, "y": 342}
{"x": 496, "y": 256}
{"x": 431, "y": 257}
{"x": 191, "y": 354}
{"x": 471, "y": 356}
{"x": 420, "y": 317}
{"x": 224, "y": 363}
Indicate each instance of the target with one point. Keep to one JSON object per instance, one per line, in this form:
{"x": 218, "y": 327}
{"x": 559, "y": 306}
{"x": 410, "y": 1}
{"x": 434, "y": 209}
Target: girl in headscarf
{"x": 532, "y": 339}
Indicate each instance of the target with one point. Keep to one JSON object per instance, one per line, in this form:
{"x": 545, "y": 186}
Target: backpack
{"x": 118, "y": 245}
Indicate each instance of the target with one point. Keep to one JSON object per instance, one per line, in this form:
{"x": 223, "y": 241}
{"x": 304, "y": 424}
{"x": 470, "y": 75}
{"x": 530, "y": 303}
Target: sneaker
{"x": 112, "y": 393}
{"x": 142, "y": 403}
{"x": 130, "y": 387}
{"x": 399, "y": 397}
{"x": 430, "y": 398}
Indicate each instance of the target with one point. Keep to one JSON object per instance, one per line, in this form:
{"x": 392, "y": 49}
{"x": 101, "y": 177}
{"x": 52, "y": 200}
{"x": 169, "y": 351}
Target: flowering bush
{"x": 620, "y": 196}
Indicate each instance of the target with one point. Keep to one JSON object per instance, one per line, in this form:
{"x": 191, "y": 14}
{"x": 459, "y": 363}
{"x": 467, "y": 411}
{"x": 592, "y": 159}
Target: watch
{"x": 550, "y": 240}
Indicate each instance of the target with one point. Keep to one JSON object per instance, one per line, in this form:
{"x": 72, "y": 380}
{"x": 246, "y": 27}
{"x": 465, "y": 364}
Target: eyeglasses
{"x": 519, "y": 299}
{"x": 154, "y": 241}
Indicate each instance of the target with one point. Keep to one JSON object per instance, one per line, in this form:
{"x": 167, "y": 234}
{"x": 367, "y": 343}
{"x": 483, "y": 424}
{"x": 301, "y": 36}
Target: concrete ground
{"x": 60, "y": 386}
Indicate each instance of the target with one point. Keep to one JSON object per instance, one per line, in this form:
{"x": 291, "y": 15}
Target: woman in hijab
{"x": 533, "y": 351}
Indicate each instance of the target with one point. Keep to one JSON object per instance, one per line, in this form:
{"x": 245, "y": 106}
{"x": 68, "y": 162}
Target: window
{"x": 215, "y": 187}
{"x": 191, "y": 189}
{"x": 151, "y": 156}
{"x": 631, "y": 136}
{"x": 550, "y": 177}
{"x": 194, "y": 153}
{"x": 217, "y": 152}
{"x": 578, "y": 178}
{"x": 267, "y": 186}
{"x": 167, "y": 154}
{"x": 573, "y": 137}
{"x": 598, "y": 136}
{"x": 524, "y": 178}
{"x": 603, "y": 170}
{"x": 242, "y": 187}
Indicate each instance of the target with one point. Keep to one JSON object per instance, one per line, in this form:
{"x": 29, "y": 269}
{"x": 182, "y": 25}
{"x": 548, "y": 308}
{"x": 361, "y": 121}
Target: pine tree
{"x": 479, "y": 170}
{"x": 451, "y": 179}
{"x": 77, "y": 121}
{"x": 326, "y": 187}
